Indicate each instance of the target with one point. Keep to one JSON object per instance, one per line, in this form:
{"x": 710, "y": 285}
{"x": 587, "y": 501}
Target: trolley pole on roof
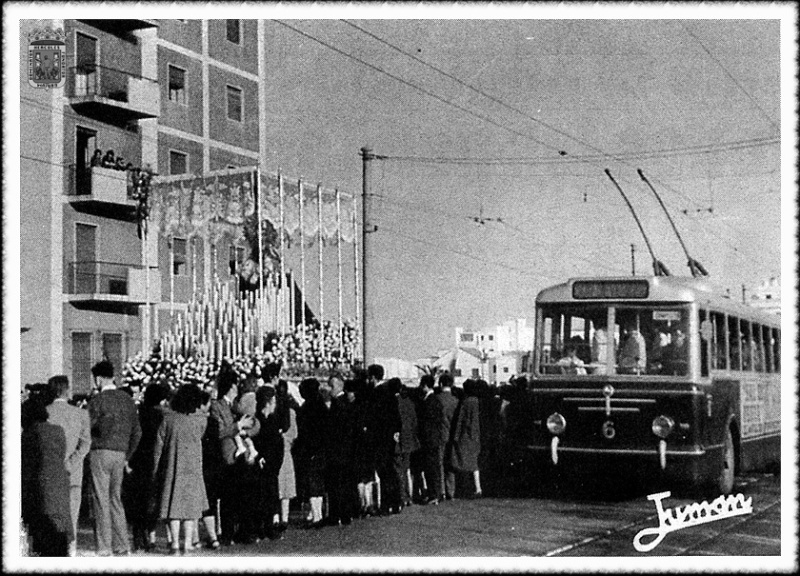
{"x": 366, "y": 247}
{"x": 633, "y": 260}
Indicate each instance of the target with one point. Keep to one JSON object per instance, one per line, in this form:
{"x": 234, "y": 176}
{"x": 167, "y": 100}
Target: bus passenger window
{"x": 719, "y": 355}
{"x": 706, "y": 340}
{"x": 747, "y": 346}
{"x": 734, "y": 349}
{"x": 776, "y": 349}
{"x": 758, "y": 349}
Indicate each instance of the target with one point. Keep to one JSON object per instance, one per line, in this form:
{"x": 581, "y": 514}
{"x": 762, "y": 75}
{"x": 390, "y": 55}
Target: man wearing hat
{"x": 115, "y": 435}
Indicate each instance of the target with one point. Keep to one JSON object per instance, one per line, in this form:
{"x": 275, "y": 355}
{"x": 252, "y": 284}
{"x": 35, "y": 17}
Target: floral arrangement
{"x": 321, "y": 345}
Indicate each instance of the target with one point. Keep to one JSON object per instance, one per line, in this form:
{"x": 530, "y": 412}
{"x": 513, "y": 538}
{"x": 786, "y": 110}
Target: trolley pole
{"x": 633, "y": 260}
{"x": 366, "y": 247}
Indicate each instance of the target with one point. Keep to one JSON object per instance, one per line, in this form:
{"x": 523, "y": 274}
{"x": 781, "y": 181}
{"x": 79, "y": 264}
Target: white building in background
{"x": 510, "y": 336}
{"x": 767, "y": 296}
{"x": 495, "y": 354}
{"x": 399, "y": 368}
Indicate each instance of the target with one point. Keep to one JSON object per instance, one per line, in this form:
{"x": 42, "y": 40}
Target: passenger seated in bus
{"x": 633, "y": 354}
{"x": 599, "y": 346}
{"x": 675, "y": 355}
{"x": 655, "y": 353}
{"x": 570, "y": 363}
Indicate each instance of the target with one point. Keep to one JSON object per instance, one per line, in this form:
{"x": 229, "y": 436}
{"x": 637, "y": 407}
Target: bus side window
{"x": 758, "y": 349}
{"x": 776, "y": 349}
{"x": 719, "y": 356}
{"x": 747, "y": 345}
{"x": 734, "y": 348}
{"x": 706, "y": 339}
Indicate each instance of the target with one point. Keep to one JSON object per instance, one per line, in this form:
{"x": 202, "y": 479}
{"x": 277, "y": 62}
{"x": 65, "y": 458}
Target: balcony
{"x": 111, "y": 95}
{"x": 121, "y": 27}
{"x": 110, "y": 286}
{"x": 101, "y": 191}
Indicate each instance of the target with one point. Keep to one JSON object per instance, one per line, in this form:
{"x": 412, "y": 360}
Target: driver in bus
{"x": 632, "y": 355}
{"x": 570, "y": 363}
{"x": 675, "y": 355}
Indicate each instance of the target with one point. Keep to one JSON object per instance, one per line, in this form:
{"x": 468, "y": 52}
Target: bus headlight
{"x": 556, "y": 423}
{"x": 662, "y": 426}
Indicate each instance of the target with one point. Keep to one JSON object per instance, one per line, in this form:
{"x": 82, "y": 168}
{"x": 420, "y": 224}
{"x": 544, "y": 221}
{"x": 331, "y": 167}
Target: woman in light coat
{"x": 178, "y": 466}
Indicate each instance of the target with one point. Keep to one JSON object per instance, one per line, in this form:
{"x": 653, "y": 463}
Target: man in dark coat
{"x": 269, "y": 444}
{"x": 434, "y": 434}
{"x": 223, "y": 427}
{"x": 408, "y": 442}
{"x": 388, "y": 437}
{"x": 449, "y": 405}
{"x": 341, "y": 477}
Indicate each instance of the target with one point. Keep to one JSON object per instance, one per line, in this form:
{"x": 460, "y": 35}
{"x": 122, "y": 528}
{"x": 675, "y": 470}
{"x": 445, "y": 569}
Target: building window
{"x": 82, "y": 362}
{"x": 235, "y": 259}
{"x": 177, "y": 84}
{"x": 491, "y": 337}
{"x": 113, "y": 352}
{"x": 476, "y": 373}
{"x": 179, "y": 257}
{"x": 234, "y": 96}
{"x": 233, "y": 30}
{"x": 505, "y": 369}
{"x": 178, "y": 162}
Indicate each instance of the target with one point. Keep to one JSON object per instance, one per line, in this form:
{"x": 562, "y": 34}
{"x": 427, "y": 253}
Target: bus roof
{"x": 659, "y": 289}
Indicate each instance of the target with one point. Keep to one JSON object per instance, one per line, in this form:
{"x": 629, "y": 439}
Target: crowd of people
{"x": 225, "y": 460}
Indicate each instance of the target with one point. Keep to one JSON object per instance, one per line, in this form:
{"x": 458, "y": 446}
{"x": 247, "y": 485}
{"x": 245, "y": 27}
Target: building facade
{"x": 175, "y": 96}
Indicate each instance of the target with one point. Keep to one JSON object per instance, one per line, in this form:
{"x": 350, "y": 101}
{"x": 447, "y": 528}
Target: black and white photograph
{"x": 428, "y": 287}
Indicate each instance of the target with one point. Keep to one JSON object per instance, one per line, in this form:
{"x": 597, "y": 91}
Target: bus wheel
{"x": 724, "y": 482}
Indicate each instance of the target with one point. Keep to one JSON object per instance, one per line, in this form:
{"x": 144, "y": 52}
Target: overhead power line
{"x": 539, "y": 160}
{"x": 738, "y": 84}
{"x": 418, "y": 88}
{"x": 596, "y": 159}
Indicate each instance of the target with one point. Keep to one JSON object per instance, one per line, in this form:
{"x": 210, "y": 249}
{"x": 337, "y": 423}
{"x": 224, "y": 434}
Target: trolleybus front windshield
{"x": 575, "y": 340}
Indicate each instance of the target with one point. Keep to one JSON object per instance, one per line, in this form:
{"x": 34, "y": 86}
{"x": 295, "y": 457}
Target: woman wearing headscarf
{"x": 313, "y": 427}
{"x": 137, "y": 487}
{"x": 466, "y": 444}
{"x": 45, "y": 481}
{"x": 178, "y": 466}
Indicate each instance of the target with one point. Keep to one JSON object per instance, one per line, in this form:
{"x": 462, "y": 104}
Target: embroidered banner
{"x": 215, "y": 205}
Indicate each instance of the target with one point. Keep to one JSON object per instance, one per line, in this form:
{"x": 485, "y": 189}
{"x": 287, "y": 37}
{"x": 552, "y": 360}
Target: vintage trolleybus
{"x": 663, "y": 373}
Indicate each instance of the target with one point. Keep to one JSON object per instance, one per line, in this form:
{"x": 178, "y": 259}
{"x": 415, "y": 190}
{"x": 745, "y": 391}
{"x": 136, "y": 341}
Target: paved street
{"x": 557, "y": 526}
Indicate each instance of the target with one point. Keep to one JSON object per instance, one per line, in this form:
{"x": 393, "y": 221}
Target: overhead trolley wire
{"x": 602, "y": 153}
{"x": 418, "y": 88}
{"x": 643, "y": 155}
{"x": 738, "y": 84}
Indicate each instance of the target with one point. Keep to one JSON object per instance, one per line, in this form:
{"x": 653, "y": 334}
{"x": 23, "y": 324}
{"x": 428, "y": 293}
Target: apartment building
{"x": 179, "y": 96}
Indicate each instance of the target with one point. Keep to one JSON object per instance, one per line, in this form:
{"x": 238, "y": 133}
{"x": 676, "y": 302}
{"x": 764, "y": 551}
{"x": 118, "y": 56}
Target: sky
{"x": 516, "y": 121}
{"x": 510, "y": 115}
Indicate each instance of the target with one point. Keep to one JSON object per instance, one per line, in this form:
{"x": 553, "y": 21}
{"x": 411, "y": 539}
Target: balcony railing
{"x": 101, "y": 191}
{"x": 120, "y": 27}
{"x": 111, "y": 282}
{"x": 112, "y": 95}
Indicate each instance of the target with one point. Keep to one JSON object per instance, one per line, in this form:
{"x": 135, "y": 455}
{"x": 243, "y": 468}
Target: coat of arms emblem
{"x": 47, "y": 58}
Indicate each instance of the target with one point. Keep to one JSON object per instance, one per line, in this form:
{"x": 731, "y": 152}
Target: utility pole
{"x": 366, "y": 247}
{"x": 744, "y": 295}
{"x": 633, "y": 260}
